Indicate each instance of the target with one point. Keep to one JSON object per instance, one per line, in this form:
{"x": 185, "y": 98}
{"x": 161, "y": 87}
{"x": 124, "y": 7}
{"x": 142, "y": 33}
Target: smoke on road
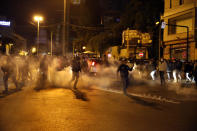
{"x": 59, "y": 73}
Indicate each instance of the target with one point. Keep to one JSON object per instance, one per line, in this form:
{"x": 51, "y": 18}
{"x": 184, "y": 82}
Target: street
{"x": 90, "y": 109}
{"x": 98, "y": 65}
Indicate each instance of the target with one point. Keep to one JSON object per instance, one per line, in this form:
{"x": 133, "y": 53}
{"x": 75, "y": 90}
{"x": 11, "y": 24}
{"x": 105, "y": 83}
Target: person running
{"x": 153, "y": 69}
{"x": 124, "y": 74}
{"x": 76, "y": 68}
{"x": 188, "y": 71}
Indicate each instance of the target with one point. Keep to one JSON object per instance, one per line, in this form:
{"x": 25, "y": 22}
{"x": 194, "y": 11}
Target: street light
{"x": 38, "y": 19}
{"x": 157, "y": 23}
{"x": 84, "y": 47}
{"x": 33, "y": 50}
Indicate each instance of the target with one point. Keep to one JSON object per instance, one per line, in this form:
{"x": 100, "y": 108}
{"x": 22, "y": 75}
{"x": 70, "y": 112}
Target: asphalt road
{"x": 89, "y": 109}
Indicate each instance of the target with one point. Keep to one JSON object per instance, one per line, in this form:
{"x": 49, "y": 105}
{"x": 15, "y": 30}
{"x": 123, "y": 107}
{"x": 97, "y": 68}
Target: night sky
{"x": 22, "y": 11}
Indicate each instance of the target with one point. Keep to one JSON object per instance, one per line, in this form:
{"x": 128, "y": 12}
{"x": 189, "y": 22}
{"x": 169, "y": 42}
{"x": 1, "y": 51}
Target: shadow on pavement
{"x": 11, "y": 91}
{"x": 80, "y": 95}
{"x": 48, "y": 87}
{"x": 144, "y": 103}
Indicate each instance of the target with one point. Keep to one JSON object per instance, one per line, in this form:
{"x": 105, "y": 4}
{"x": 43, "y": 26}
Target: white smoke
{"x": 106, "y": 77}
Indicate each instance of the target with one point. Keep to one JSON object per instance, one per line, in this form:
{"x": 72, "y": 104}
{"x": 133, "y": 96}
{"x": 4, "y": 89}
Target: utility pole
{"x": 38, "y": 37}
{"x": 160, "y": 41}
{"x": 67, "y": 25}
{"x": 51, "y": 43}
{"x": 64, "y": 28}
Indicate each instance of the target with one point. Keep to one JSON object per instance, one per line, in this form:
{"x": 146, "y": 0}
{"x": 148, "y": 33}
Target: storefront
{"x": 176, "y": 51}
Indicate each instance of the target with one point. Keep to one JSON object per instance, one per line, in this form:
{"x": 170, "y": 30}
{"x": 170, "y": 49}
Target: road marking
{"x": 146, "y": 96}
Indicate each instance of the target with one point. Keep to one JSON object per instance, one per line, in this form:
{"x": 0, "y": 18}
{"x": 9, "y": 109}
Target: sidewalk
{"x": 175, "y": 91}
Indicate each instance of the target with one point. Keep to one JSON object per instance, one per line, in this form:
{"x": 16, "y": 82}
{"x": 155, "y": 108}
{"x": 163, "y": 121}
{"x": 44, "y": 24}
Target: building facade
{"x": 179, "y": 33}
{"x": 10, "y": 42}
{"x": 135, "y": 44}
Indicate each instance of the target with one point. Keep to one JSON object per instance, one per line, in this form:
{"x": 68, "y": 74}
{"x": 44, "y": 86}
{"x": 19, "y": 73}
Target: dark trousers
{"x": 5, "y": 80}
{"x": 125, "y": 83}
{"x": 161, "y": 73}
{"x": 75, "y": 76}
{"x": 195, "y": 78}
{"x": 42, "y": 80}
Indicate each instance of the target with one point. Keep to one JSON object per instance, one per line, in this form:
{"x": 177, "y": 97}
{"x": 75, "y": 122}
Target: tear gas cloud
{"x": 59, "y": 73}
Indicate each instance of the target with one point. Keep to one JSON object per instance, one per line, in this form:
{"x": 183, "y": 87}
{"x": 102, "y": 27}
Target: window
{"x": 183, "y": 20}
{"x": 170, "y": 3}
{"x": 181, "y": 2}
{"x": 171, "y": 29}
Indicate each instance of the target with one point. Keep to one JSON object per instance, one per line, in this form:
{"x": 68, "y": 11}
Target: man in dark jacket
{"x": 76, "y": 68}
{"x": 124, "y": 73}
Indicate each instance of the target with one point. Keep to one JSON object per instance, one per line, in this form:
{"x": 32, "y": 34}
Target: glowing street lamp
{"x": 84, "y": 47}
{"x": 157, "y": 23}
{"x": 33, "y": 50}
{"x": 38, "y": 19}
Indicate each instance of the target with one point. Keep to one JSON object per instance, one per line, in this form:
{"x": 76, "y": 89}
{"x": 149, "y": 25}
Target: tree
{"x": 138, "y": 15}
{"x": 141, "y": 15}
{"x": 85, "y": 15}
{"x": 100, "y": 42}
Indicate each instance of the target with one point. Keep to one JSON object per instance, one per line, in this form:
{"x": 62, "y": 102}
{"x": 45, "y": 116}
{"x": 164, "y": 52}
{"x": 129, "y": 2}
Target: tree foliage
{"x": 137, "y": 14}
{"x": 141, "y": 15}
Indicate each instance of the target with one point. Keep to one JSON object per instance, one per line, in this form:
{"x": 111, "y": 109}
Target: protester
{"x": 123, "y": 69}
{"x": 43, "y": 72}
{"x": 188, "y": 71}
{"x": 84, "y": 65}
{"x": 9, "y": 71}
{"x": 76, "y": 68}
{"x": 162, "y": 69}
{"x": 169, "y": 69}
{"x": 195, "y": 73}
{"x": 153, "y": 69}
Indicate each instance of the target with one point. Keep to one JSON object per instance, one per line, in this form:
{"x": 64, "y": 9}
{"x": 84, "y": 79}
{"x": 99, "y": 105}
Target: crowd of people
{"x": 172, "y": 70}
{"x": 39, "y": 69}
{"x": 22, "y": 69}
